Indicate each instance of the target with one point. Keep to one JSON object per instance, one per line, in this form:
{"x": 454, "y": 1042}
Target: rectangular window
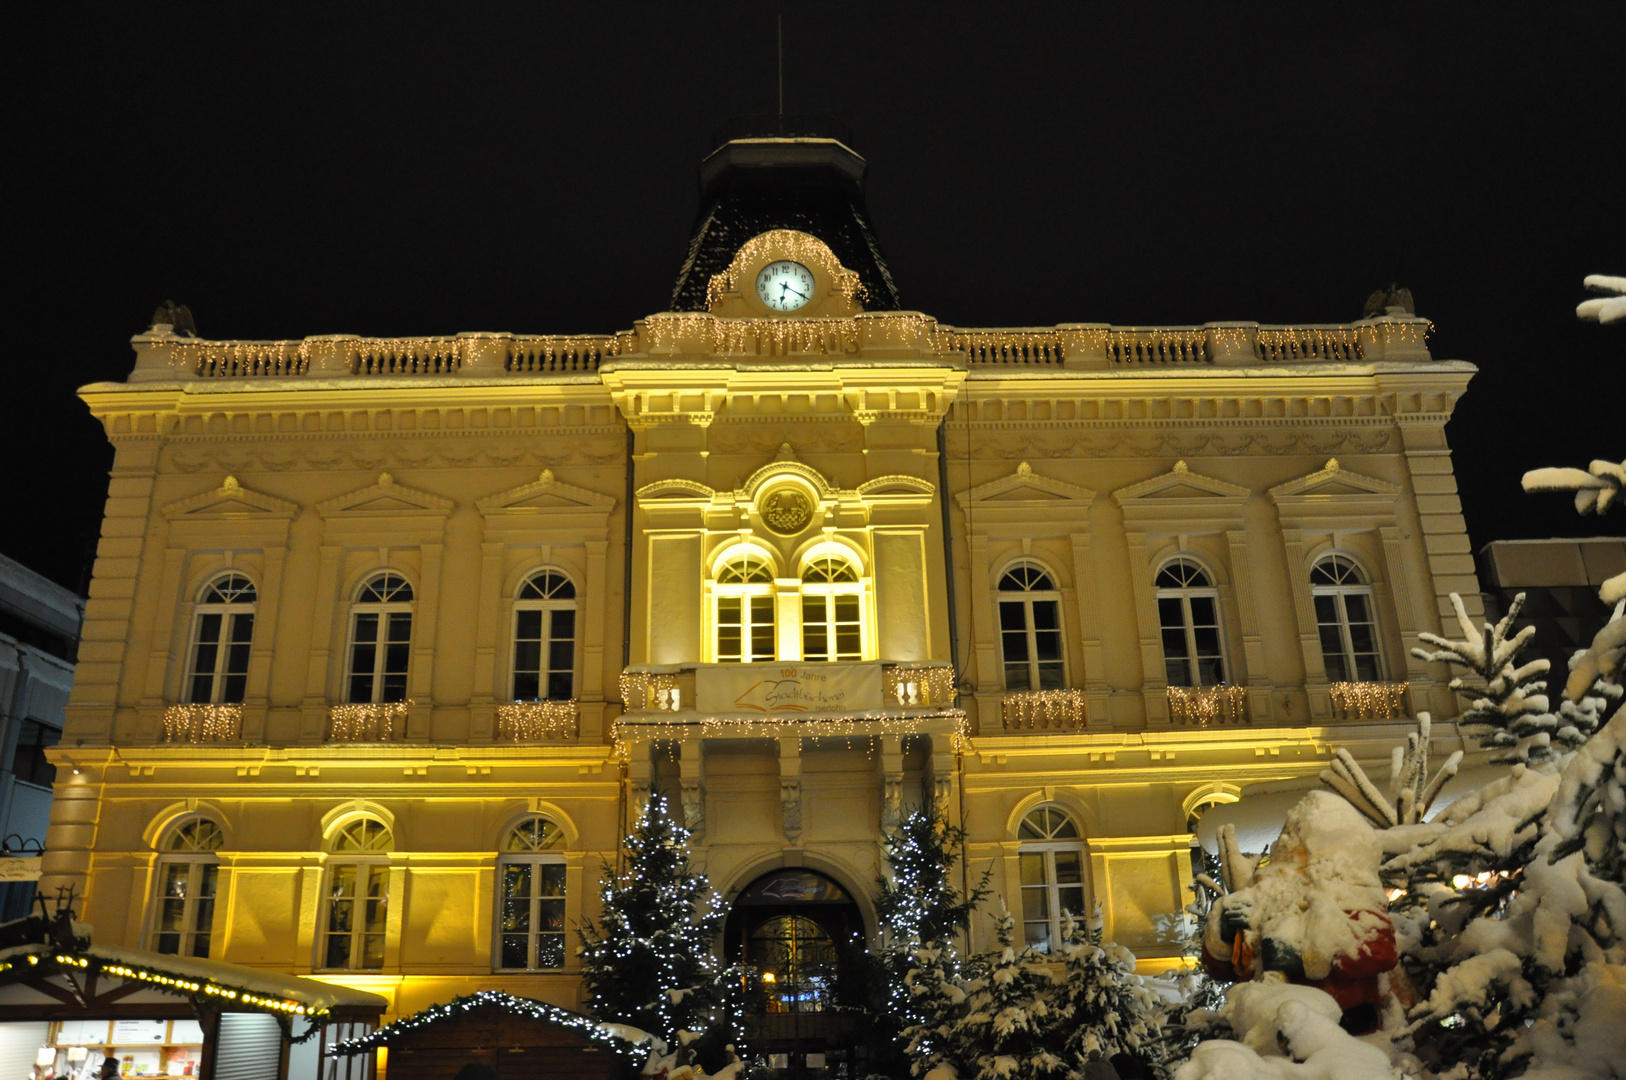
{"x": 380, "y": 651}
{"x": 532, "y": 914}
{"x": 220, "y": 648}
{"x": 186, "y": 907}
{"x": 1013, "y": 636}
{"x": 544, "y": 655}
{"x": 745, "y": 629}
{"x": 28, "y": 762}
{"x": 358, "y": 908}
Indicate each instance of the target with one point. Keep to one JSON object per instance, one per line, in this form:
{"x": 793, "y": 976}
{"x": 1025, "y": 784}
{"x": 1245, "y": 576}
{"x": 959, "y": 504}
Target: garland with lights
{"x": 1370, "y": 700}
{"x": 537, "y": 721}
{"x": 1033, "y": 710}
{"x": 366, "y": 722}
{"x": 191, "y": 986}
{"x": 498, "y": 999}
{"x": 1204, "y": 705}
{"x": 202, "y": 723}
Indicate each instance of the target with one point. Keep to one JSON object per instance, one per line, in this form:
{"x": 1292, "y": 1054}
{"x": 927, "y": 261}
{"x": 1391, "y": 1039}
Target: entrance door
{"x": 800, "y": 938}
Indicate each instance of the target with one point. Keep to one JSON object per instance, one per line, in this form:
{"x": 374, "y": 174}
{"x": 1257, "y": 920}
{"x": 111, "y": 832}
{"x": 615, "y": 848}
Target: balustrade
{"x": 538, "y": 721}
{"x": 1044, "y": 710}
{"x": 203, "y": 723}
{"x": 1034, "y": 348}
{"x": 560, "y": 355}
{"x": 383, "y": 722}
{"x": 408, "y": 356}
{"x": 1370, "y": 700}
{"x": 1303, "y": 344}
{"x": 1205, "y": 706}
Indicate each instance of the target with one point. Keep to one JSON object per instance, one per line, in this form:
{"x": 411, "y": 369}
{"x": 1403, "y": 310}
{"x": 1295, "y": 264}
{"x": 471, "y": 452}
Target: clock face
{"x": 785, "y": 285}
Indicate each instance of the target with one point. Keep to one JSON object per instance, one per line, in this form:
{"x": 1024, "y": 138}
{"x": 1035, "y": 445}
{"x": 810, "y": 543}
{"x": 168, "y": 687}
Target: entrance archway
{"x": 799, "y": 937}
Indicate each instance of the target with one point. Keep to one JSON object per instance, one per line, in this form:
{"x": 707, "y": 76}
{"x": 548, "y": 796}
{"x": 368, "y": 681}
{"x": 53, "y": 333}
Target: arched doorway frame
{"x": 748, "y": 873}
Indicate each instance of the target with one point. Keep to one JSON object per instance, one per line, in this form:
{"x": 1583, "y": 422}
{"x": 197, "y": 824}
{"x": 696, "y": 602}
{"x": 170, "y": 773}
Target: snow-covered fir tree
{"x": 1013, "y": 1025}
{"x": 1107, "y": 1008}
{"x": 648, "y": 962}
{"x": 1507, "y": 708}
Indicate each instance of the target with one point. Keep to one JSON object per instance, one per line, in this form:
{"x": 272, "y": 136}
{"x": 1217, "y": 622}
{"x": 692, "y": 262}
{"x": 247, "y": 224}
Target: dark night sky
{"x": 395, "y": 169}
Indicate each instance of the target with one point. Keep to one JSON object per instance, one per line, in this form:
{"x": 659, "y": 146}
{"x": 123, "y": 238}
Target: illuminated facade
{"x": 386, "y": 636}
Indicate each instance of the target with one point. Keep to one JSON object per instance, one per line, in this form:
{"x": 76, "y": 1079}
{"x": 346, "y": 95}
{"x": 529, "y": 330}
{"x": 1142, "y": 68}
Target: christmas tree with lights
{"x": 926, "y": 917}
{"x": 648, "y": 962}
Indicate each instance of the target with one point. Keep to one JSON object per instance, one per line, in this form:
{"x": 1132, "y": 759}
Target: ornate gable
{"x": 1180, "y": 483}
{"x": 1333, "y": 479}
{"x": 384, "y": 498}
{"x": 230, "y": 500}
{"x": 547, "y": 493}
{"x": 1025, "y": 486}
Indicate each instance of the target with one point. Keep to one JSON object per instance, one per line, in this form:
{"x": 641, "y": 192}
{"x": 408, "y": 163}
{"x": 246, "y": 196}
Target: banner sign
{"x": 24, "y": 869}
{"x": 788, "y": 689}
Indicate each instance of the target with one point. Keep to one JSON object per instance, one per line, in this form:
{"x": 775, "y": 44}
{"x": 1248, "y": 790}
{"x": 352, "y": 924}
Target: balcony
{"x": 538, "y": 721}
{"x": 1044, "y": 710}
{"x": 1207, "y": 706}
{"x": 1370, "y": 700}
{"x": 751, "y": 700}
{"x": 376, "y": 723}
{"x": 203, "y": 723}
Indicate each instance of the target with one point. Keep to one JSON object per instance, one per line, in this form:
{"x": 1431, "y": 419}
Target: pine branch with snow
{"x": 1411, "y": 791}
{"x": 1507, "y": 709}
{"x": 1611, "y": 308}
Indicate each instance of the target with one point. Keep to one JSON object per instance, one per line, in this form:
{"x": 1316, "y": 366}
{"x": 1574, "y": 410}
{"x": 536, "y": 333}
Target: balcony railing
{"x": 538, "y": 721}
{"x": 903, "y": 686}
{"x": 1370, "y": 700}
{"x": 1044, "y": 710}
{"x": 1207, "y": 706}
{"x": 202, "y": 723}
{"x": 383, "y": 722}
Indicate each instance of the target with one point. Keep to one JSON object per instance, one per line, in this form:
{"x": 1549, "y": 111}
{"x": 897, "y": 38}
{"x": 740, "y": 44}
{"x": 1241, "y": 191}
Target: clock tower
{"x": 783, "y": 173}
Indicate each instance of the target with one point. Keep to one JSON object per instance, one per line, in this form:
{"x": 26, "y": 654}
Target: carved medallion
{"x": 787, "y": 510}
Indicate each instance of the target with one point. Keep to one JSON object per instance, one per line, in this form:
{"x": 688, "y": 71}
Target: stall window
{"x": 1345, "y": 621}
{"x": 187, "y": 874}
{"x": 545, "y": 638}
{"x": 531, "y": 897}
{"x": 358, "y": 892}
{"x": 1030, "y": 629}
{"x": 222, "y": 633}
{"x": 1052, "y": 866}
{"x": 1188, "y": 613}
{"x": 380, "y": 641}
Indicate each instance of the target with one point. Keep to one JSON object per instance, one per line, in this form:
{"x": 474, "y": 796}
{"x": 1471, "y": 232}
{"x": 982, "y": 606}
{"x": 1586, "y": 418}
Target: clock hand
{"x": 802, "y": 295}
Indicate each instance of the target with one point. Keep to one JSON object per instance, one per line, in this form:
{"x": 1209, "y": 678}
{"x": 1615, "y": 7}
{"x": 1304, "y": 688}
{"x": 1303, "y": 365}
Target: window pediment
{"x": 385, "y": 498}
{"x": 1180, "y": 483}
{"x": 545, "y": 493}
{"x": 1333, "y": 480}
{"x": 1026, "y": 486}
{"x": 230, "y": 500}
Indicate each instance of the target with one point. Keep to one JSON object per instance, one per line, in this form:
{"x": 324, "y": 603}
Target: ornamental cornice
{"x": 1036, "y": 442}
{"x": 538, "y": 450}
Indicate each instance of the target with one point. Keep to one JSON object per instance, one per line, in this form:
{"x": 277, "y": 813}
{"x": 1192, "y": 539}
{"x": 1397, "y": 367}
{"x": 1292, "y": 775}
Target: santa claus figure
{"x": 1315, "y": 912}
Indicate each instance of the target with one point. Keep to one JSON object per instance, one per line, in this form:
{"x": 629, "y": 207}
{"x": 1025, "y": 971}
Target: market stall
{"x": 66, "y": 1004}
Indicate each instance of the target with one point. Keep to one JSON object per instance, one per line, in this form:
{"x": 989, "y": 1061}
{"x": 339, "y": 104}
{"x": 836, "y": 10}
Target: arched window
{"x": 832, "y": 610}
{"x": 743, "y": 595}
{"x": 1030, "y": 629}
{"x": 358, "y": 893}
{"x": 186, "y": 888}
{"x": 1200, "y": 858}
{"x": 1188, "y": 613}
{"x": 1345, "y": 621}
{"x": 1052, "y": 863}
{"x": 531, "y": 897}
{"x": 545, "y": 638}
{"x": 222, "y": 631}
{"x": 380, "y": 640}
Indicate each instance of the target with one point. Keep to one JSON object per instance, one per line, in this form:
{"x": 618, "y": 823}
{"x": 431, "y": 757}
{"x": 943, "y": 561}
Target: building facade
{"x": 388, "y": 638}
{"x": 39, "y": 640}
